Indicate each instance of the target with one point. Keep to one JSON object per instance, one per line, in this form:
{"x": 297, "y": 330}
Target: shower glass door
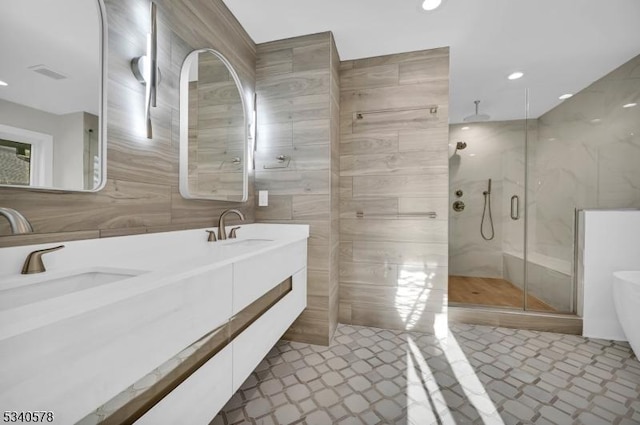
{"x": 583, "y": 153}
{"x": 552, "y": 196}
{"x": 487, "y": 214}
{"x": 572, "y": 151}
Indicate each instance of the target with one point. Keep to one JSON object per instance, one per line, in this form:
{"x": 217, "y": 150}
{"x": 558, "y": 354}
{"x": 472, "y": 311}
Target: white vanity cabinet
{"x": 73, "y": 365}
{"x": 253, "y": 277}
{"x": 82, "y": 344}
{"x": 252, "y": 345}
{"x": 199, "y": 398}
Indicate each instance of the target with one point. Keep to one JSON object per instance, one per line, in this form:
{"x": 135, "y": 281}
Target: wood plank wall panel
{"x": 394, "y": 163}
{"x": 297, "y": 83}
{"x": 141, "y": 194}
{"x": 216, "y": 131}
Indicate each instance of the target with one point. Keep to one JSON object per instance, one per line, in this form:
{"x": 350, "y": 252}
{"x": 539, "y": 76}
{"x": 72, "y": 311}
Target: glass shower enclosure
{"x": 512, "y": 242}
{"x": 487, "y": 217}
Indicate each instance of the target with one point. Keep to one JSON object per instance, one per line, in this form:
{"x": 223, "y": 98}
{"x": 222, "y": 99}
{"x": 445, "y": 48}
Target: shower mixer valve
{"x": 458, "y": 206}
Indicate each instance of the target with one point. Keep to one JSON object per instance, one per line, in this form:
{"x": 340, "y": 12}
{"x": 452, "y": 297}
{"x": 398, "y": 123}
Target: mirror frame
{"x": 184, "y": 127}
{"x": 102, "y": 111}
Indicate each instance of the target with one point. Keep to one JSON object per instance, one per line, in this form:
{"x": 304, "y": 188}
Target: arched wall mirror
{"x": 52, "y": 94}
{"x": 213, "y": 129}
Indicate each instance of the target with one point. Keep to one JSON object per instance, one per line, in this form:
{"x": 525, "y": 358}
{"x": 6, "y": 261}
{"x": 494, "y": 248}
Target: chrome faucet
{"x": 18, "y": 223}
{"x": 34, "y": 264}
{"x": 222, "y": 233}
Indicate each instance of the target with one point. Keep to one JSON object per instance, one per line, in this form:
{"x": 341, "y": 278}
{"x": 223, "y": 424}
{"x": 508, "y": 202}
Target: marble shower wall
{"x": 297, "y": 106}
{"x": 587, "y": 155}
{"x": 141, "y": 194}
{"x": 495, "y": 150}
{"x": 393, "y": 169}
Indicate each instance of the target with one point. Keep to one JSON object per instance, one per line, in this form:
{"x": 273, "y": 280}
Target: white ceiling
{"x": 64, "y": 36}
{"x": 561, "y": 45}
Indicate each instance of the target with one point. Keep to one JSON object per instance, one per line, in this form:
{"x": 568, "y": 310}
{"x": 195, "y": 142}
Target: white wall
{"x": 27, "y": 118}
{"x": 609, "y": 242}
{"x": 68, "y": 151}
{"x": 68, "y": 139}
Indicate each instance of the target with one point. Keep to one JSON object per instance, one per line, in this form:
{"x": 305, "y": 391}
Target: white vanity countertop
{"x": 161, "y": 258}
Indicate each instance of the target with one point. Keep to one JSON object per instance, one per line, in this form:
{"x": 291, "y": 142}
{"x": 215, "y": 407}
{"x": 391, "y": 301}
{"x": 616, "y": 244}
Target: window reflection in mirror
{"x": 214, "y": 145}
{"x": 15, "y": 163}
{"x": 52, "y": 64}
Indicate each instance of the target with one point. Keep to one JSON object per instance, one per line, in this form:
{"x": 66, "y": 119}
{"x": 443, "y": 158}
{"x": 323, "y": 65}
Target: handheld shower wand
{"x": 488, "y": 191}
{"x": 487, "y": 207}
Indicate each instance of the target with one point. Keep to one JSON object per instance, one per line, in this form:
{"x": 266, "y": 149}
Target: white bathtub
{"x": 626, "y": 298}
{"x": 550, "y": 279}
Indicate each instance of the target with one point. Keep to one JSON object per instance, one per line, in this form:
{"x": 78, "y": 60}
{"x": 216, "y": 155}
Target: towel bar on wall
{"x": 283, "y": 162}
{"x": 433, "y": 110}
{"x": 430, "y": 214}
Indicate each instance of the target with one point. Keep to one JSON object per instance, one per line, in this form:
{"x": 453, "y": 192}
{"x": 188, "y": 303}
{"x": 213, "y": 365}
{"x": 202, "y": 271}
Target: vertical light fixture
{"x": 145, "y": 68}
{"x": 253, "y": 131}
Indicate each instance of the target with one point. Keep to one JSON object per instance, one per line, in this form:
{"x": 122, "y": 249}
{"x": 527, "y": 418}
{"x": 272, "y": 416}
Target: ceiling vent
{"x": 47, "y": 72}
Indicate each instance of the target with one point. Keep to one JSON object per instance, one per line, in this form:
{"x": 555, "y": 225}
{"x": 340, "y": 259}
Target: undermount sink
{"x": 248, "y": 242}
{"x": 33, "y": 288}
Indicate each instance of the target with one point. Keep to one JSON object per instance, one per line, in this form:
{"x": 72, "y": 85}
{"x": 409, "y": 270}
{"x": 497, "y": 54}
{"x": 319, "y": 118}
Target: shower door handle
{"x": 515, "y": 207}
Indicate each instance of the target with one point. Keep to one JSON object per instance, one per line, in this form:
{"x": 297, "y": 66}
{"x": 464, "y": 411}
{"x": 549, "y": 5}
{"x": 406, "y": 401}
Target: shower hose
{"x": 486, "y": 212}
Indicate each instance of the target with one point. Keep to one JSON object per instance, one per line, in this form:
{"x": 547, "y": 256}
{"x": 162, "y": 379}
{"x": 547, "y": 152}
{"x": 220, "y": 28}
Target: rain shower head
{"x": 477, "y": 116}
{"x": 461, "y": 145}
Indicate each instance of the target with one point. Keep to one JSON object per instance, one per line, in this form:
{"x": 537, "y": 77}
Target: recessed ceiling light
{"x": 431, "y": 4}
{"x": 595, "y": 120}
{"x": 629, "y": 105}
{"x": 2, "y": 83}
{"x": 472, "y": 154}
{"x": 465, "y": 128}
{"x": 516, "y": 75}
{"x": 565, "y": 96}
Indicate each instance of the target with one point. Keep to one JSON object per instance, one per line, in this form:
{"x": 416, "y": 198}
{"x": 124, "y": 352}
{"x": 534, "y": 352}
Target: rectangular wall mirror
{"x": 213, "y": 129}
{"x": 52, "y": 94}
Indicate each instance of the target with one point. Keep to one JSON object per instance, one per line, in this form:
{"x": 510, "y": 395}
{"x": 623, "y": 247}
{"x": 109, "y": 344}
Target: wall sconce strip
{"x": 152, "y": 71}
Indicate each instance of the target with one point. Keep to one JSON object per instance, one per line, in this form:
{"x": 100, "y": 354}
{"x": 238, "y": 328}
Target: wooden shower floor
{"x": 491, "y": 291}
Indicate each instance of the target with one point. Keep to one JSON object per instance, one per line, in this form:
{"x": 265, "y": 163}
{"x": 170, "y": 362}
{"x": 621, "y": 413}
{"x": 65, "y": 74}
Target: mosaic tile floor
{"x": 468, "y": 375}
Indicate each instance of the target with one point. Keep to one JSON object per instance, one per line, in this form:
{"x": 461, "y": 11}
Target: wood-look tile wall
{"x": 394, "y": 169}
{"x": 334, "y": 272}
{"x": 217, "y": 133}
{"x": 297, "y": 84}
{"x": 141, "y": 194}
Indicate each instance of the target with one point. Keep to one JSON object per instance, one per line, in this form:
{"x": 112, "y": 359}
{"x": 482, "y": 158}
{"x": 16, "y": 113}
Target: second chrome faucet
{"x": 222, "y": 232}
